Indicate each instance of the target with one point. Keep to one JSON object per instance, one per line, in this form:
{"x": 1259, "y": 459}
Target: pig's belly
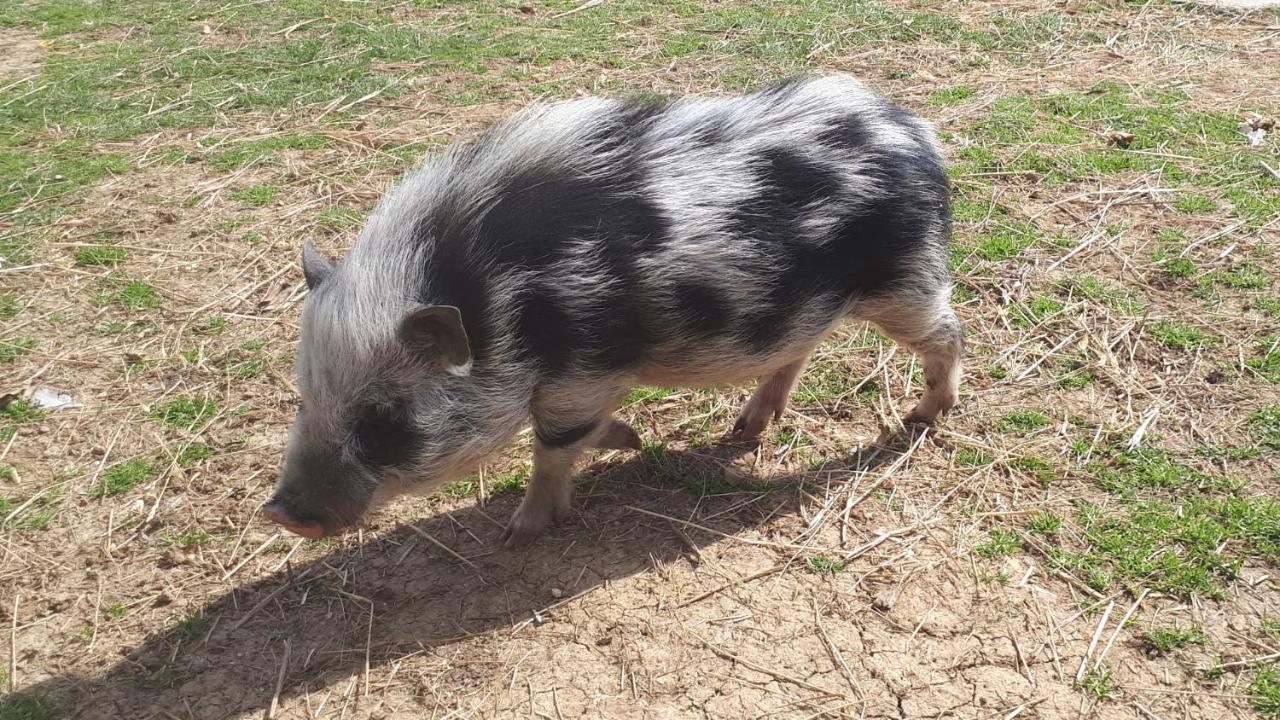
{"x": 713, "y": 364}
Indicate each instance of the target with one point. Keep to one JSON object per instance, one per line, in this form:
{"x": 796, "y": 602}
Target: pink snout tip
{"x": 277, "y": 515}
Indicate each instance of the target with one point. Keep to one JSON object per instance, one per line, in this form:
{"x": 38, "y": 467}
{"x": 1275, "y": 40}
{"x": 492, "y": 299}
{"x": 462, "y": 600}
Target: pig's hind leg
{"x": 927, "y": 326}
{"x": 768, "y": 401}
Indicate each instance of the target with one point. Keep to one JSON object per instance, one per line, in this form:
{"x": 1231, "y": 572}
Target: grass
{"x": 1097, "y": 290}
{"x": 1004, "y": 241}
{"x": 257, "y": 195}
{"x": 185, "y": 412}
{"x": 30, "y": 515}
{"x": 823, "y": 565}
{"x": 1264, "y": 690}
{"x": 191, "y": 629}
{"x": 30, "y": 707}
{"x": 1044, "y": 523}
{"x": 1266, "y": 361}
{"x": 998, "y": 544}
{"x": 99, "y": 255}
{"x": 122, "y": 477}
{"x": 1264, "y": 426}
{"x": 187, "y": 538}
{"x": 1187, "y": 547}
{"x": 161, "y": 679}
{"x": 22, "y": 411}
{"x": 1168, "y": 638}
{"x": 1097, "y": 683}
{"x": 1181, "y": 336}
{"x": 1022, "y": 421}
{"x": 131, "y": 295}
{"x": 231, "y": 137}
{"x": 15, "y": 347}
{"x": 193, "y": 453}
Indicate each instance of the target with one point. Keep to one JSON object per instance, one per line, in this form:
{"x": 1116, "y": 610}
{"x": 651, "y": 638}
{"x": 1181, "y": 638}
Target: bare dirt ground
{"x": 1109, "y": 478}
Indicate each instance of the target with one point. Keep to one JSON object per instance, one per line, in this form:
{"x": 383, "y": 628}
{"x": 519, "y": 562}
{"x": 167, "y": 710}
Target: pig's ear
{"x": 315, "y": 267}
{"x": 437, "y": 330}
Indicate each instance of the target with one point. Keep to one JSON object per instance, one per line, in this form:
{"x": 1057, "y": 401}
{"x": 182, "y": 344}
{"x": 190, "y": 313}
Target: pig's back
{"x": 598, "y": 236}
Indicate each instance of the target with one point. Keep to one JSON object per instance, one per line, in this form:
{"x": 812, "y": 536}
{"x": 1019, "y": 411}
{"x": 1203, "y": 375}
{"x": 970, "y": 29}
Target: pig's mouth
{"x": 311, "y": 529}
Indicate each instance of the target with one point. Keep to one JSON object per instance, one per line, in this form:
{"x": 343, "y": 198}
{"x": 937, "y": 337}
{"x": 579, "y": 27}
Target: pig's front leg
{"x": 549, "y": 495}
{"x": 566, "y": 421}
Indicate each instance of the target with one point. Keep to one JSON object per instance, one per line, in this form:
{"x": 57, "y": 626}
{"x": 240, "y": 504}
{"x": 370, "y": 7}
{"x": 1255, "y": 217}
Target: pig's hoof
{"x": 619, "y": 436}
{"x": 751, "y": 423}
{"x": 530, "y": 522}
{"x": 915, "y": 418}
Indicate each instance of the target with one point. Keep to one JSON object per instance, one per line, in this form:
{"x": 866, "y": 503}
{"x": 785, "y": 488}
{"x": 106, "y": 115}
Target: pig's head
{"x": 385, "y": 389}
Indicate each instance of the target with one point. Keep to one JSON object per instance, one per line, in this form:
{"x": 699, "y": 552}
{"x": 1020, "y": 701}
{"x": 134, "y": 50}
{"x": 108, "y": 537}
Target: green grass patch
{"x": 211, "y": 327}
{"x": 1179, "y": 267}
{"x": 257, "y": 195}
{"x": 1194, "y": 204}
{"x": 247, "y": 369}
{"x": 1044, "y": 523}
{"x": 193, "y": 453}
{"x": 237, "y": 152}
{"x": 34, "y": 515}
{"x": 161, "y": 679}
{"x": 1267, "y": 306}
{"x": 1022, "y": 421}
{"x": 645, "y": 395}
{"x": 192, "y": 628}
{"x": 823, "y": 565}
{"x": 13, "y": 348}
{"x": 1264, "y": 426}
{"x": 22, "y": 411}
{"x": 132, "y": 295}
{"x": 998, "y": 544}
{"x": 1186, "y": 547}
{"x": 184, "y": 411}
{"x": 1118, "y": 299}
{"x": 10, "y": 305}
{"x": 1034, "y": 312}
{"x": 1181, "y": 336}
{"x": 1267, "y": 361}
{"x": 1097, "y": 683}
{"x": 195, "y": 537}
{"x": 122, "y": 477}
{"x": 972, "y": 457}
{"x": 1004, "y": 240}
{"x": 28, "y": 706}
{"x": 951, "y": 95}
{"x": 1171, "y": 637}
{"x": 99, "y": 255}
{"x": 1043, "y": 471}
{"x": 1264, "y": 691}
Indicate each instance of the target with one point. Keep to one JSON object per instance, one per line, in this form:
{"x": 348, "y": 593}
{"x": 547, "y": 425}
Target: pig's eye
{"x": 384, "y": 436}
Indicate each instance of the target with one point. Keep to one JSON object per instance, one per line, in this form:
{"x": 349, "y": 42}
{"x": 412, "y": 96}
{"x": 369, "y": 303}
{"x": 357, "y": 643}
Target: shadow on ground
{"x": 399, "y": 594}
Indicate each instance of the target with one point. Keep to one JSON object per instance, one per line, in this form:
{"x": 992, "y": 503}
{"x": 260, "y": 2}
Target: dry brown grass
{"x": 829, "y": 572}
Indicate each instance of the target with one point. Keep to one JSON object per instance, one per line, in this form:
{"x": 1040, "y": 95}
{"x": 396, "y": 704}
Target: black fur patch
{"x": 385, "y": 437}
{"x": 701, "y": 309}
{"x": 565, "y": 437}
{"x": 792, "y": 185}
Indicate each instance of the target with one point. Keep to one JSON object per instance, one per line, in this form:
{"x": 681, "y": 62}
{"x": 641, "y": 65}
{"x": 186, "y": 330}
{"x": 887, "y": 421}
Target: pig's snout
{"x": 276, "y": 513}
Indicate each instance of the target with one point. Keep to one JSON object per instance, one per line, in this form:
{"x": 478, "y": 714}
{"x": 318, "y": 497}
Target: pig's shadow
{"x": 421, "y": 597}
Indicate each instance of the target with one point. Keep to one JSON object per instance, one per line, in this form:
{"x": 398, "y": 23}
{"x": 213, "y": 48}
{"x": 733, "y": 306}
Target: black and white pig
{"x": 587, "y": 246}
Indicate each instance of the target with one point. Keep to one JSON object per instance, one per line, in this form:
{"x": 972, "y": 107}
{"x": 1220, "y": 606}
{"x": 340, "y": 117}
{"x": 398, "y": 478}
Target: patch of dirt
{"x": 22, "y": 53}
{"x": 660, "y": 598}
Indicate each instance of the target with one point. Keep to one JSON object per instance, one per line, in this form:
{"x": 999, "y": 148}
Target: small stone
{"x": 557, "y": 593}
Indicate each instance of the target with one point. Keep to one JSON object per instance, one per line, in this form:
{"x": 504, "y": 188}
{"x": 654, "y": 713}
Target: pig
{"x": 583, "y": 247}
